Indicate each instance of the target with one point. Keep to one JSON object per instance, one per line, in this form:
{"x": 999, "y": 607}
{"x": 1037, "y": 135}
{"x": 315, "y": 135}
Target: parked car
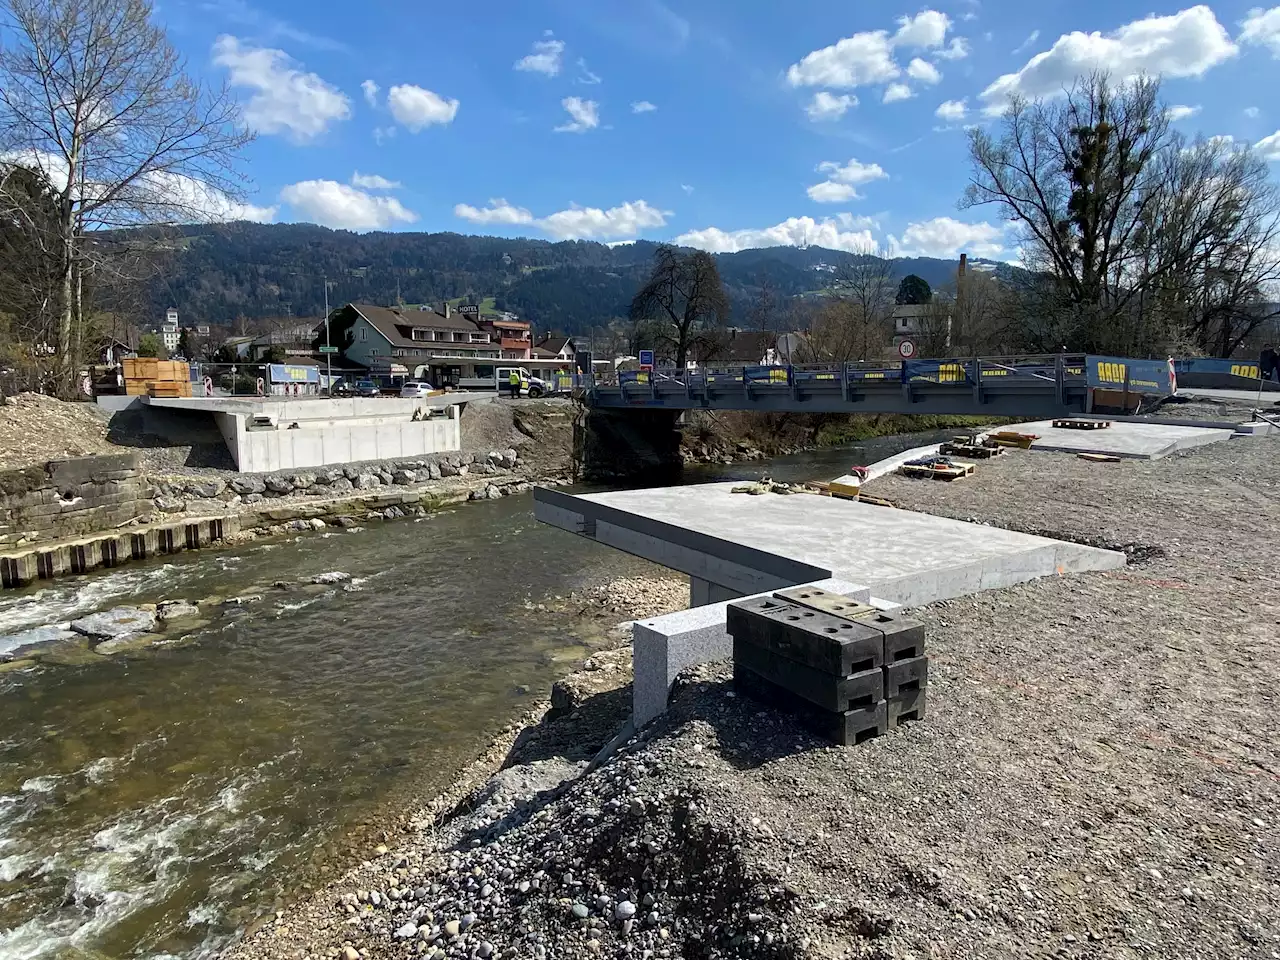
{"x": 368, "y": 388}
{"x": 342, "y": 388}
{"x": 415, "y": 389}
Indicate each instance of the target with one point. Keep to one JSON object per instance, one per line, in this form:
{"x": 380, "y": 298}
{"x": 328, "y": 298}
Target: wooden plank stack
{"x": 845, "y": 671}
{"x": 150, "y": 377}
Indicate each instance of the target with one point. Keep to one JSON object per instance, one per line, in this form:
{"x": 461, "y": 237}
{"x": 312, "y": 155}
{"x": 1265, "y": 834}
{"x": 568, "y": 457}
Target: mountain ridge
{"x": 218, "y": 273}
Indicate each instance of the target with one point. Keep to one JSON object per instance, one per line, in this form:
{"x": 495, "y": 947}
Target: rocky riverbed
{"x": 1098, "y": 776}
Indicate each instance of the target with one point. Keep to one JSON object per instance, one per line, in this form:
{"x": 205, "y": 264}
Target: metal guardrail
{"x": 1048, "y": 384}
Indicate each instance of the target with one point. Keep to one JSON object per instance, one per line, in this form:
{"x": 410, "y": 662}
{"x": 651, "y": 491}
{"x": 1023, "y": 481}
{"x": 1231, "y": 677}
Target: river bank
{"x": 1099, "y": 774}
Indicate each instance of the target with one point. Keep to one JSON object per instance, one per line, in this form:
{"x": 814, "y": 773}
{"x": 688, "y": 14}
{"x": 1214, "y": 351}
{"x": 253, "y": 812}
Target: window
{"x": 420, "y": 334}
{"x": 364, "y": 334}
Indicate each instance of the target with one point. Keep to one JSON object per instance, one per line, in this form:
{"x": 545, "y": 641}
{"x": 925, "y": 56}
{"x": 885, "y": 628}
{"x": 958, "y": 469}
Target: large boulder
{"x": 20, "y": 644}
{"x": 207, "y": 489}
{"x": 247, "y": 484}
{"x": 434, "y": 471}
{"x": 170, "y": 504}
{"x": 367, "y": 481}
{"x": 279, "y": 484}
{"x": 341, "y": 485}
{"x": 111, "y": 624}
{"x": 447, "y": 468}
{"x": 405, "y": 477}
{"x": 303, "y": 480}
{"x": 173, "y": 609}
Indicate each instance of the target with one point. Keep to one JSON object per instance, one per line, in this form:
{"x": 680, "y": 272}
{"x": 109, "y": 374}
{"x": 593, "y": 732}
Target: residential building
{"x": 395, "y": 341}
{"x": 555, "y": 348}
{"x": 294, "y": 339}
{"x": 512, "y": 335}
{"x": 168, "y": 330}
{"x": 239, "y": 345}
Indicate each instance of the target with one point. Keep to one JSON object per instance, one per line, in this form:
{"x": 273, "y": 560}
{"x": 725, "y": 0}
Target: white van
{"x": 500, "y": 377}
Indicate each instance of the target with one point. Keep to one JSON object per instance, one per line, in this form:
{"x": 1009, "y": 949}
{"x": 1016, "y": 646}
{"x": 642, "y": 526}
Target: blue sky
{"x": 724, "y": 124}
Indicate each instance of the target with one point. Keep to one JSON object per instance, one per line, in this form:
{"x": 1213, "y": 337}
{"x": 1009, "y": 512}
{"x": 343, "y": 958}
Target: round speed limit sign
{"x": 907, "y": 349}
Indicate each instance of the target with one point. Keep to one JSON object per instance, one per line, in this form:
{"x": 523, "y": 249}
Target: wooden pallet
{"x": 1007, "y": 438}
{"x": 965, "y": 449}
{"x": 1071, "y": 423}
{"x": 1099, "y": 457}
{"x": 954, "y": 472}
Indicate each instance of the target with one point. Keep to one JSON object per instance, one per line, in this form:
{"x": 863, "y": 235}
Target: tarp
{"x": 774, "y": 375}
{"x": 938, "y": 371}
{"x": 294, "y": 373}
{"x": 1141, "y": 376}
{"x": 1214, "y": 365}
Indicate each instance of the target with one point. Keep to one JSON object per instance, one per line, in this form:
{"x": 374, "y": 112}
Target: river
{"x": 152, "y": 804}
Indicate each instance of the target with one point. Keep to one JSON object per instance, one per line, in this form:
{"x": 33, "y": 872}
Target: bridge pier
{"x": 628, "y": 445}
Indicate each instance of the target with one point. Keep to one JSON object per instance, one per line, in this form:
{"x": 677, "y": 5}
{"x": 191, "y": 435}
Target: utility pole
{"x": 328, "y": 355}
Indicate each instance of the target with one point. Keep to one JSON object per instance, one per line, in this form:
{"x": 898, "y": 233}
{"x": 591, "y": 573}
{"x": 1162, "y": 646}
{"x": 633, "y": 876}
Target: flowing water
{"x": 153, "y": 803}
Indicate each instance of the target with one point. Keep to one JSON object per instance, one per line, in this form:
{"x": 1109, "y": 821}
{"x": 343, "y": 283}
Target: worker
{"x": 1268, "y": 363}
{"x": 513, "y": 383}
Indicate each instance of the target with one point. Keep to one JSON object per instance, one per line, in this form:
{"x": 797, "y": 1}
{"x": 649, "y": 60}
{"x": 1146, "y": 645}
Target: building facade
{"x": 398, "y": 341}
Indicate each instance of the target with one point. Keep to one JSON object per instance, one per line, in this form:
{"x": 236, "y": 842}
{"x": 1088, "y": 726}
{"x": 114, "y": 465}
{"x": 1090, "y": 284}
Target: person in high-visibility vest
{"x": 513, "y": 383}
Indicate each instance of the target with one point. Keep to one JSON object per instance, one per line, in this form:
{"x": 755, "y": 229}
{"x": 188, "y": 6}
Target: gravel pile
{"x": 631, "y": 598}
{"x": 1098, "y": 774}
{"x": 35, "y": 428}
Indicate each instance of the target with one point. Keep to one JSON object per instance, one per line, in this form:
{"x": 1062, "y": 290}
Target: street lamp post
{"x": 328, "y": 353}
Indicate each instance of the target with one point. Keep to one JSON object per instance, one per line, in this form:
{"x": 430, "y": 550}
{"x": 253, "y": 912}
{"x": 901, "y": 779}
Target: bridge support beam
{"x": 703, "y": 593}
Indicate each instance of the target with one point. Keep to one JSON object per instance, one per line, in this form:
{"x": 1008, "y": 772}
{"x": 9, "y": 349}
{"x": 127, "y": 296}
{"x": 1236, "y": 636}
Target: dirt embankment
{"x": 1098, "y": 776}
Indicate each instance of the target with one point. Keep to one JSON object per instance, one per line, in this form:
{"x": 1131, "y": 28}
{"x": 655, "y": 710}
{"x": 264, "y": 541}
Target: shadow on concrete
{"x": 191, "y": 437}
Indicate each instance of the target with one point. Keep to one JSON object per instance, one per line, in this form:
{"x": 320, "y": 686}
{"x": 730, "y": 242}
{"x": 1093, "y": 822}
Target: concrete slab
{"x": 1244, "y": 396}
{"x": 1141, "y": 441}
{"x": 751, "y": 544}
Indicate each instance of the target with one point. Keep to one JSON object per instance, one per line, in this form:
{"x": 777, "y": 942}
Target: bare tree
{"x": 685, "y": 295}
{"x": 94, "y": 96}
{"x": 861, "y": 326}
{"x": 1137, "y": 242}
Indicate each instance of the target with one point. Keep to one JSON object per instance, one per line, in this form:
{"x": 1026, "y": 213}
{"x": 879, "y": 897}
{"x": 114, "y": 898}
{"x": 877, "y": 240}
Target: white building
{"x": 169, "y": 332}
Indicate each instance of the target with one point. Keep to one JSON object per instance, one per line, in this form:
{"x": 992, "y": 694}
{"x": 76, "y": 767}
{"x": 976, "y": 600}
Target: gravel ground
{"x": 1098, "y": 776}
{"x": 35, "y": 428}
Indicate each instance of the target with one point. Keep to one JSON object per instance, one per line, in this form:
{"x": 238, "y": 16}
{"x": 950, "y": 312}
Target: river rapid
{"x": 153, "y": 803}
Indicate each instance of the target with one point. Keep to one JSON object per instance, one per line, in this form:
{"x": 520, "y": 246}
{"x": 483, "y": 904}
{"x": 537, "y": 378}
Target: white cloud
{"x": 285, "y": 99}
{"x": 953, "y": 111}
{"x": 585, "y": 113}
{"x": 852, "y": 62}
{"x": 1269, "y": 147}
{"x": 642, "y": 106}
{"x": 852, "y": 172}
{"x": 592, "y": 223}
{"x": 546, "y": 58}
{"x": 831, "y": 192}
{"x": 851, "y": 222}
{"x": 1181, "y": 112}
{"x": 1252, "y": 112}
{"x": 174, "y": 197}
{"x": 945, "y": 237}
{"x": 686, "y": 188}
{"x": 924, "y": 71}
{"x": 337, "y": 205}
{"x": 371, "y": 181}
{"x": 1032, "y": 38}
{"x": 841, "y": 180}
{"x": 1262, "y": 27}
{"x": 370, "y": 92}
{"x": 1184, "y": 44}
{"x": 793, "y": 232}
{"x": 829, "y": 106}
{"x": 897, "y": 91}
{"x": 381, "y": 134}
{"x": 498, "y": 211}
{"x": 926, "y": 29}
{"x": 957, "y": 49}
{"x": 577, "y": 223}
{"x": 417, "y": 108}
{"x": 588, "y": 78}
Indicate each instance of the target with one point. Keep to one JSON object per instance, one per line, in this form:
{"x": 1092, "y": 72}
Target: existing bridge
{"x": 1031, "y": 387}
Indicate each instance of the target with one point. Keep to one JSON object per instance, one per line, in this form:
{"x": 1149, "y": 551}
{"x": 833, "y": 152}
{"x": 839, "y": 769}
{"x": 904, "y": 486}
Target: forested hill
{"x": 215, "y": 274}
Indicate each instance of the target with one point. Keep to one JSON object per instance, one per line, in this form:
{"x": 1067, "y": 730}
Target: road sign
{"x": 907, "y": 349}
{"x": 328, "y": 349}
{"x": 646, "y": 359}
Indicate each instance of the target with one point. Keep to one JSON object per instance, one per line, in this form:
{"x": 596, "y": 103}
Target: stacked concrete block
{"x": 846, "y": 671}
